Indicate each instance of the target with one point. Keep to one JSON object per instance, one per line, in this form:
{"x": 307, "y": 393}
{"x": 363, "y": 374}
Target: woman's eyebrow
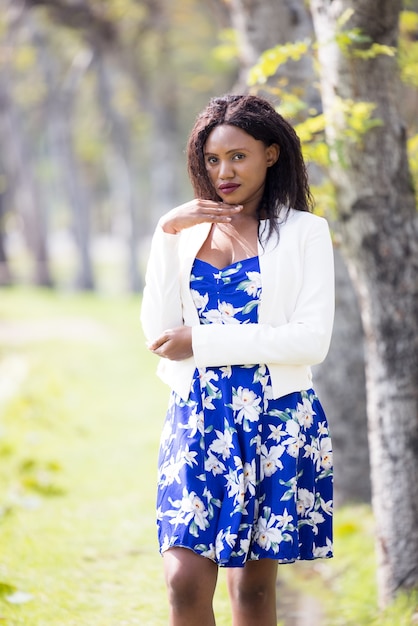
{"x": 228, "y": 151}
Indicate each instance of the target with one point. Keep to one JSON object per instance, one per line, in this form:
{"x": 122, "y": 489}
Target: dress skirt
{"x": 243, "y": 476}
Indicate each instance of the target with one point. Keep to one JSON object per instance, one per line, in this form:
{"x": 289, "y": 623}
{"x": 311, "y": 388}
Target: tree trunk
{"x": 379, "y": 237}
{"x": 19, "y": 146}
{"x": 59, "y": 109}
{"x": 5, "y": 273}
{"x": 123, "y": 178}
{"x": 262, "y": 25}
{"x": 341, "y": 386}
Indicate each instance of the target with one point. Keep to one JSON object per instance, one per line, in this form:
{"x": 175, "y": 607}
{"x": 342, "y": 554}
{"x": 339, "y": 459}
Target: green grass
{"x": 78, "y": 444}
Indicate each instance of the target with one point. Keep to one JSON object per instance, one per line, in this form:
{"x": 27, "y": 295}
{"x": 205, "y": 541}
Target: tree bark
{"x": 262, "y": 25}
{"x": 379, "y": 237}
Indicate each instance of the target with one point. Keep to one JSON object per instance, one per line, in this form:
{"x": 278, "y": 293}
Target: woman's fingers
{"x": 196, "y": 212}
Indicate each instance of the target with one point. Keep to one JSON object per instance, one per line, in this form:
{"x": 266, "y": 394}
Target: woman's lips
{"x": 228, "y": 188}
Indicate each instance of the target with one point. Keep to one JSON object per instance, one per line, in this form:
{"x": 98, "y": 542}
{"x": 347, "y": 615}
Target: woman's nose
{"x": 225, "y": 169}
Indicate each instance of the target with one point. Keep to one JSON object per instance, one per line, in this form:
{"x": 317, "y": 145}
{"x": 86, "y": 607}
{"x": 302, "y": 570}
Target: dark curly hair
{"x": 287, "y": 180}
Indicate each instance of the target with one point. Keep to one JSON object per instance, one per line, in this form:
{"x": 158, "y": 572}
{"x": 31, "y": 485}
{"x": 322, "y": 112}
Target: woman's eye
{"x": 212, "y": 160}
{"x": 239, "y": 156}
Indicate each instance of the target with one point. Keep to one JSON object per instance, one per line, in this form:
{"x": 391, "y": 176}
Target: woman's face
{"x": 237, "y": 165}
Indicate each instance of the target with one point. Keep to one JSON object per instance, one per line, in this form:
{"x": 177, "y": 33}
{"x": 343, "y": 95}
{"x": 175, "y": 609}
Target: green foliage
{"x": 413, "y": 162}
{"x": 273, "y": 58}
{"x": 357, "y": 119}
{"x": 292, "y": 105}
{"x": 349, "y": 120}
{"x": 408, "y": 48}
{"x": 353, "y": 42}
{"x": 226, "y": 50}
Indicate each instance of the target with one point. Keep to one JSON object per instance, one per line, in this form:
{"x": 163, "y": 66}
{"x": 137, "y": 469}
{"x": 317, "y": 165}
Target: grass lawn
{"x": 80, "y": 416}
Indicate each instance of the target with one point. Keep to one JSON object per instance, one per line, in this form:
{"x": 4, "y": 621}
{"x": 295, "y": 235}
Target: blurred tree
{"x": 21, "y": 153}
{"x": 5, "y": 272}
{"x": 378, "y": 221}
{"x": 106, "y": 118}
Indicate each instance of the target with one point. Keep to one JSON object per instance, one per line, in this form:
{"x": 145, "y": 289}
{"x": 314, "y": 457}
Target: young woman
{"x": 239, "y": 303}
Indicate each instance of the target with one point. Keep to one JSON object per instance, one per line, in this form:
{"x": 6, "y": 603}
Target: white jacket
{"x": 296, "y": 310}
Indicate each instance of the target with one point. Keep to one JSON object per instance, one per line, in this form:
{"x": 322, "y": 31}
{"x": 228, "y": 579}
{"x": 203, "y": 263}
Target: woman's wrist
{"x": 167, "y": 224}
{"x": 167, "y": 228}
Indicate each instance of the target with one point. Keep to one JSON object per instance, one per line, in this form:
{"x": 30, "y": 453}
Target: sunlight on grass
{"x": 79, "y": 446}
{"x": 80, "y": 417}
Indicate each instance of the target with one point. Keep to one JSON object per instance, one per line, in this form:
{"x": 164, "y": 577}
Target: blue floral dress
{"x": 243, "y": 476}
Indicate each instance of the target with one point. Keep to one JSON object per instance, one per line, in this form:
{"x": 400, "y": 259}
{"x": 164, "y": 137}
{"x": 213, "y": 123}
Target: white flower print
{"x": 320, "y": 552}
{"x": 214, "y": 465}
{"x": 322, "y": 428}
{"x": 226, "y": 371}
{"x": 293, "y": 443}
{"x": 305, "y": 413}
{"x": 238, "y": 463}
{"x": 189, "y": 508}
{"x": 252, "y": 285}
{"x": 195, "y": 423}
{"x": 291, "y": 488}
{"x": 292, "y": 428}
{"x": 235, "y": 486}
{"x": 325, "y": 453}
{"x": 222, "y": 444}
{"x": 170, "y": 472}
{"x": 224, "y": 314}
{"x": 200, "y": 300}
{"x": 166, "y": 435}
{"x": 327, "y": 507}
{"x": 244, "y": 545}
{"x": 230, "y": 538}
{"x": 188, "y": 457}
{"x": 246, "y": 403}
{"x": 165, "y": 544}
{"x": 250, "y": 477}
{"x": 277, "y": 432}
{"x": 285, "y": 520}
{"x": 292, "y": 448}
{"x": 222, "y": 538}
{"x": 270, "y": 459}
{"x": 207, "y": 402}
{"x": 210, "y": 552}
{"x": 311, "y": 451}
{"x": 205, "y": 377}
{"x": 267, "y": 535}
{"x": 305, "y": 502}
{"x": 315, "y": 518}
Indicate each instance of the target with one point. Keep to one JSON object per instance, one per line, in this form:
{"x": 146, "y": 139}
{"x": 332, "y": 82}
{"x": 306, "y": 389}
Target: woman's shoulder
{"x": 292, "y": 221}
{"x": 304, "y": 218}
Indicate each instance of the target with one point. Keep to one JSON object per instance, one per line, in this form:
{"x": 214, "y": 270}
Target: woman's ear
{"x": 272, "y": 154}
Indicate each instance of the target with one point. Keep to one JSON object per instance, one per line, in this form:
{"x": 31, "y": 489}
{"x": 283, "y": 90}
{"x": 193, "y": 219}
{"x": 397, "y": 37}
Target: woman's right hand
{"x": 195, "y": 212}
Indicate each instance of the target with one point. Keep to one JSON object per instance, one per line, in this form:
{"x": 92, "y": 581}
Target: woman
{"x": 239, "y": 303}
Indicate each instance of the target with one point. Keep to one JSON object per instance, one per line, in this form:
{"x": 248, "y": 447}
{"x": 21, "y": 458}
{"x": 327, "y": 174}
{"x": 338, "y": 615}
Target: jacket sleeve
{"x": 161, "y": 305}
{"x": 303, "y": 340}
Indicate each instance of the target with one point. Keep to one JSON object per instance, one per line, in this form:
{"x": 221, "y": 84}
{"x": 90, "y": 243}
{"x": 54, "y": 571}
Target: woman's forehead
{"x": 226, "y": 137}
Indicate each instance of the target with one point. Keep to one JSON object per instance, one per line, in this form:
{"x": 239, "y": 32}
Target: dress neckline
{"x": 222, "y": 269}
